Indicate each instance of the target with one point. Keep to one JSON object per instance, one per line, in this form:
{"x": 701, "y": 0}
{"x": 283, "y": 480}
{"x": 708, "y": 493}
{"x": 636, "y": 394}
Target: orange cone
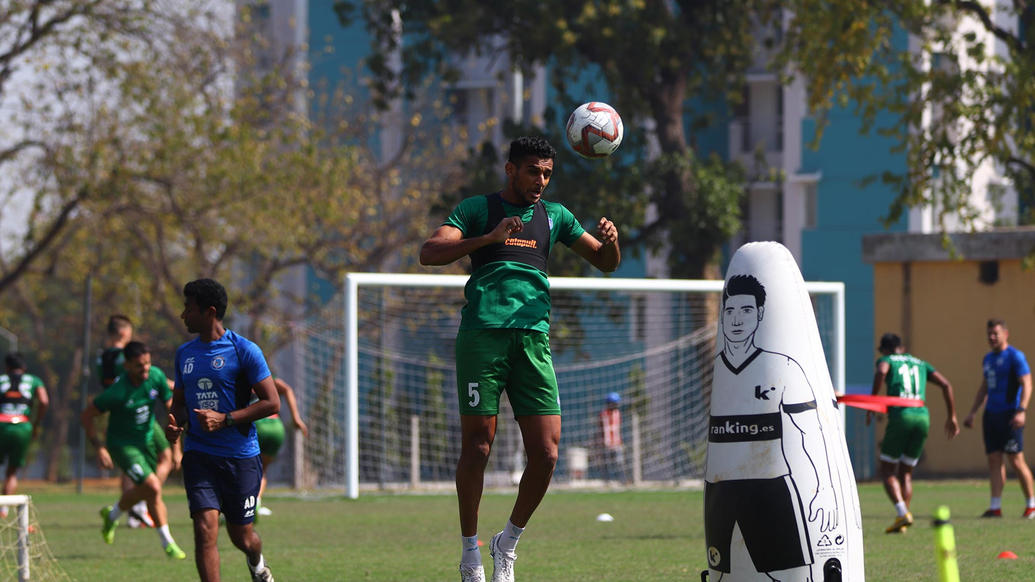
{"x": 1007, "y": 555}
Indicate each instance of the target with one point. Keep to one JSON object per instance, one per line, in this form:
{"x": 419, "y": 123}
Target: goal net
{"x": 24, "y": 553}
{"x": 380, "y": 391}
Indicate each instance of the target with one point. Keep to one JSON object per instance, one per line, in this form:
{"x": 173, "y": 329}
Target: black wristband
{"x": 1019, "y": 409}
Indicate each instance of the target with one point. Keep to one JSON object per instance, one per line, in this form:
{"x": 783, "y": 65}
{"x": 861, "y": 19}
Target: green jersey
{"x": 907, "y": 378}
{"x": 509, "y": 294}
{"x": 132, "y": 408}
{"x": 17, "y": 392}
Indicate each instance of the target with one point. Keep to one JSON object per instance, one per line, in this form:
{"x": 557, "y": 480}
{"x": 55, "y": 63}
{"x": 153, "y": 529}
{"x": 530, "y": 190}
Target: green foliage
{"x": 158, "y": 146}
{"x": 651, "y": 56}
{"x": 961, "y": 104}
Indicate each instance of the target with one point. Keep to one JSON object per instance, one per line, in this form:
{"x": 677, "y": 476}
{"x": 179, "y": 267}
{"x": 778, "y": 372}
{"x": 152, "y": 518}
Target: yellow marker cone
{"x": 945, "y": 546}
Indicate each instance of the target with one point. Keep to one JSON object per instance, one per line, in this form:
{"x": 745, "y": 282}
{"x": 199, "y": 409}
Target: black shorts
{"x": 771, "y": 518}
{"x": 224, "y": 483}
{"x": 1000, "y": 437}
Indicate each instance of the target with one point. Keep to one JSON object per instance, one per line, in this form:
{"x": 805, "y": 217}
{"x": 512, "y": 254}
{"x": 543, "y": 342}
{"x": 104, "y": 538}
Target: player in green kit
{"x": 109, "y": 368}
{"x": 271, "y": 434}
{"x": 503, "y": 343}
{"x": 130, "y": 402}
{"x": 23, "y": 402}
{"x": 906, "y": 376}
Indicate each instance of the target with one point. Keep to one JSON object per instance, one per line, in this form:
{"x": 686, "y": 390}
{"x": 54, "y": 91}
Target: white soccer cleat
{"x": 263, "y": 575}
{"x": 472, "y": 573}
{"x": 502, "y": 562}
{"x": 263, "y": 510}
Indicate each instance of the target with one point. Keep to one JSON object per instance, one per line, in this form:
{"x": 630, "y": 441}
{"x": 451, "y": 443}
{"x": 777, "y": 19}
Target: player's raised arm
{"x": 447, "y": 243}
{"x": 601, "y": 250}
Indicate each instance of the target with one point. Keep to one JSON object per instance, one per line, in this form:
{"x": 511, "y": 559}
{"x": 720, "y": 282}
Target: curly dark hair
{"x": 207, "y": 293}
{"x": 15, "y": 361}
{"x": 135, "y": 349}
{"x": 530, "y": 146}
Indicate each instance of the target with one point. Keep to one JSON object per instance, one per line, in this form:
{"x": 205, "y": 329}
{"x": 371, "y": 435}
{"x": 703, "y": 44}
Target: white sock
{"x": 900, "y": 508}
{"x": 508, "y": 541}
{"x": 995, "y": 503}
{"x": 470, "y": 553}
{"x": 114, "y": 513}
{"x": 257, "y": 567}
{"x": 164, "y": 535}
{"x": 1031, "y": 502}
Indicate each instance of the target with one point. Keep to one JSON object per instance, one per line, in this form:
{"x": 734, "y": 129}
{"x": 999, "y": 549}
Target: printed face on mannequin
{"x": 740, "y": 317}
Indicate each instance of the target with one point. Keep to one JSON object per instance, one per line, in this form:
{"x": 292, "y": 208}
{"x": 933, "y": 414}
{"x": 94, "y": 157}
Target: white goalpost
{"x": 380, "y": 389}
{"x": 24, "y": 554}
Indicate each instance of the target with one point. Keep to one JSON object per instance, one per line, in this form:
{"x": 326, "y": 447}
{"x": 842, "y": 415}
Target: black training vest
{"x": 531, "y": 246}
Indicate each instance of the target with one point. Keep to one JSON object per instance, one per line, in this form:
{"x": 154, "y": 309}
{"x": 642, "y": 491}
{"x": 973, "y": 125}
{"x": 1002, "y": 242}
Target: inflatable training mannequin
{"x": 780, "y": 499}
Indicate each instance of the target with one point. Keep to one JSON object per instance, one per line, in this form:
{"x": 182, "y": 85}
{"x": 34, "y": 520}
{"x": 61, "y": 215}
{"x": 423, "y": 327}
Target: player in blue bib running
{"x": 1005, "y": 391}
{"x": 216, "y": 374}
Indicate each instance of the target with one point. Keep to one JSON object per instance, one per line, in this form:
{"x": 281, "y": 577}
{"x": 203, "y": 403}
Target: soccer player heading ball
{"x": 503, "y": 342}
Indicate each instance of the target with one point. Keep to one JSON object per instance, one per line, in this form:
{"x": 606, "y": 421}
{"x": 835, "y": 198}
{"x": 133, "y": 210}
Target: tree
{"x": 653, "y": 56}
{"x": 183, "y": 152}
{"x": 51, "y": 53}
{"x": 964, "y": 100}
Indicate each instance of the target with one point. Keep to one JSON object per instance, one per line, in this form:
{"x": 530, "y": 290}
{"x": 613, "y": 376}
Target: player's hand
{"x": 104, "y": 458}
{"x": 210, "y": 420}
{"x": 173, "y": 430}
{"x": 607, "y": 232}
{"x": 1018, "y": 419}
{"x": 952, "y": 427}
{"x": 969, "y": 421}
{"x": 302, "y": 427}
{"x": 508, "y": 226}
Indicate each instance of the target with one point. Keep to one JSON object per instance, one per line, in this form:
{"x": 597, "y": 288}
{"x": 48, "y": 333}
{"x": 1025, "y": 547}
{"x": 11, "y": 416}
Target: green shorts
{"x": 905, "y": 437}
{"x": 489, "y": 361}
{"x": 271, "y": 435}
{"x": 15, "y": 438}
{"x": 137, "y": 462}
{"x": 158, "y": 440}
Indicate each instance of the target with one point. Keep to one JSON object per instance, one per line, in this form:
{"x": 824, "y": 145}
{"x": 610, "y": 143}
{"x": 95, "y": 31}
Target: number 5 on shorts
{"x": 472, "y": 391}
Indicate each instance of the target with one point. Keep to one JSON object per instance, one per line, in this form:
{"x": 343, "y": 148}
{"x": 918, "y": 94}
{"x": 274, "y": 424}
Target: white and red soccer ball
{"x": 595, "y": 130}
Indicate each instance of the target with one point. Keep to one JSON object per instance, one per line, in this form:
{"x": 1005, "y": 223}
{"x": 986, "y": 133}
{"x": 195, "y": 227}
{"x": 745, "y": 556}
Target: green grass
{"x": 655, "y": 536}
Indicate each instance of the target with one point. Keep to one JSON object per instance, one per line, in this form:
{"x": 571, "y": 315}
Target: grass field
{"x": 655, "y": 536}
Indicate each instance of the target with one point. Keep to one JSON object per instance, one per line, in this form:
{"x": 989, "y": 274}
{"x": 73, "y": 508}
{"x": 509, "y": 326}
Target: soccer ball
{"x": 595, "y": 130}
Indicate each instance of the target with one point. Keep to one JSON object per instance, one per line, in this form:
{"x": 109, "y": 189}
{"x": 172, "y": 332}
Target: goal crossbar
{"x": 353, "y": 282}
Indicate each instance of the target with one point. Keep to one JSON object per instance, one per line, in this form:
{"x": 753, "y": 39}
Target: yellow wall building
{"x": 940, "y": 304}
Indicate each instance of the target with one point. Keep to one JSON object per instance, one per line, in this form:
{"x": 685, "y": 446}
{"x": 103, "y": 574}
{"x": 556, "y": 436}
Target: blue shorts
{"x": 1000, "y": 437}
{"x": 223, "y": 483}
